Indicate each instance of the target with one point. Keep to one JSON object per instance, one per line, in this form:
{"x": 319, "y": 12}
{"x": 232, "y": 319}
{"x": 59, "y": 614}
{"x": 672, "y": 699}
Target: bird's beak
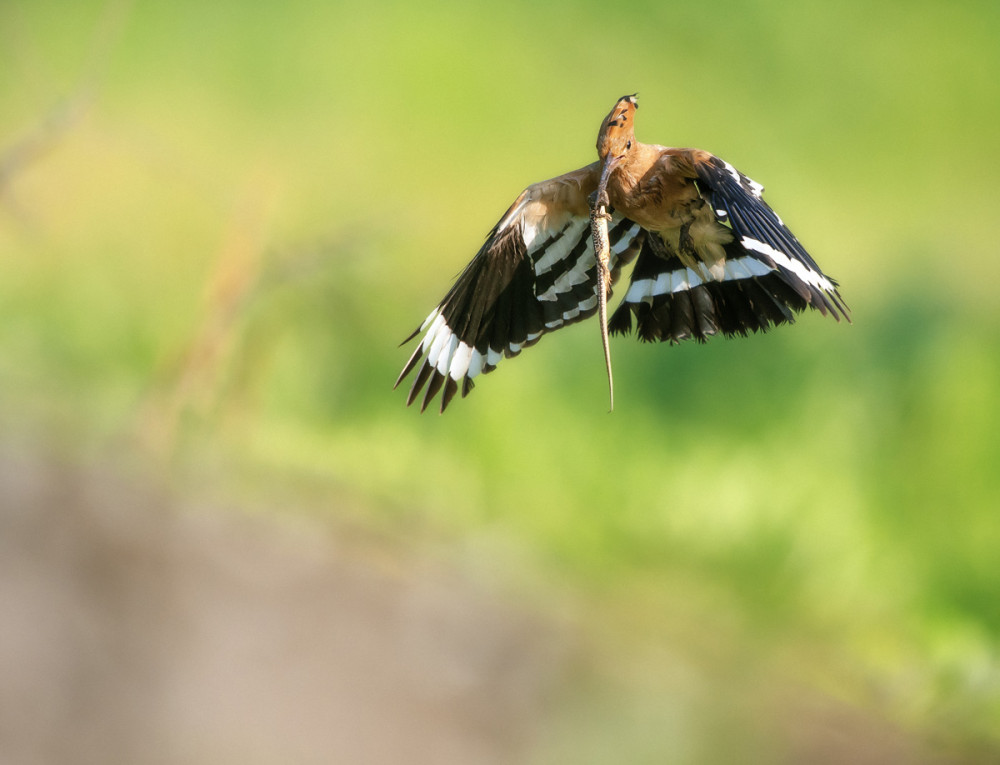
{"x": 610, "y": 163}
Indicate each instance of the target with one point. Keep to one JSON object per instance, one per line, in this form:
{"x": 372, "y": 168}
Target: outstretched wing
{"x": 739, "y": 201}
{"x": 535, "y": 273}
{"x": 752, "y": 274}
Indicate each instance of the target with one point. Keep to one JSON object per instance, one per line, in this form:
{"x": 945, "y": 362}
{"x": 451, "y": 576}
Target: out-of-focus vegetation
{"x": 217, "y": 221}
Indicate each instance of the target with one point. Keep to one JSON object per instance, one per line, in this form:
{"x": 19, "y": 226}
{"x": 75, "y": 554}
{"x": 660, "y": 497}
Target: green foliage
{"x": 223, "y": 252}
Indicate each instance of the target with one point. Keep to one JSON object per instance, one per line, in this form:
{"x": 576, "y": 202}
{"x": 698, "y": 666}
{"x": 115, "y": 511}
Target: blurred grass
{"x": 220, "y": 254}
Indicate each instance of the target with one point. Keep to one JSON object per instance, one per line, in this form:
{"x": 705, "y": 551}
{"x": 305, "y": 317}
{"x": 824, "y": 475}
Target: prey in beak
{"x": 614, "y": 142}
{"x": 610, "y": 163}
{"x": 710, "y": 258}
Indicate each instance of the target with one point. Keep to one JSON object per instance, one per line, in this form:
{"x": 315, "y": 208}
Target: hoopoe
{"x": 710, "y": 257}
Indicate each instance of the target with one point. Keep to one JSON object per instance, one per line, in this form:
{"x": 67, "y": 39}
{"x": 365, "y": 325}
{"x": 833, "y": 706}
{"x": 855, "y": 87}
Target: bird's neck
{"x": 637, "y": 163}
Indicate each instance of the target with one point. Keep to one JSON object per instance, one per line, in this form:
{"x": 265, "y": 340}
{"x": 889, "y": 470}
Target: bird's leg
{"x": 599, "y": 218}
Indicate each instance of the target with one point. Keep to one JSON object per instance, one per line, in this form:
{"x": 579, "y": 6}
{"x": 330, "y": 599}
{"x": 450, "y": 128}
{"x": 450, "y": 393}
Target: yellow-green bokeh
{"x": 219, "y": 252}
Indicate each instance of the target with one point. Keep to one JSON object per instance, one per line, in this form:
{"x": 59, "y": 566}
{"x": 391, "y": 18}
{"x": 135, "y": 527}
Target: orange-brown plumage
{"x": 712, "y": 258}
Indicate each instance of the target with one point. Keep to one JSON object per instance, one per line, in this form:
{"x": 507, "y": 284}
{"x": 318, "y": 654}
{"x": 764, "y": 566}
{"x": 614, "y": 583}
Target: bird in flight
{"x": 710, "y": 257}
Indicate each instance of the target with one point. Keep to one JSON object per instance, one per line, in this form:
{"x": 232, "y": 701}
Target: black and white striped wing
{"x": 764, "y": 278}
{"x": 738, "y": 201}
{"x": 535, "y": 273}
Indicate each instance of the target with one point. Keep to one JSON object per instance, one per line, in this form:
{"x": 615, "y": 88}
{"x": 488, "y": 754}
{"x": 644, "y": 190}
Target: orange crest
{"x": 617, "y": 129}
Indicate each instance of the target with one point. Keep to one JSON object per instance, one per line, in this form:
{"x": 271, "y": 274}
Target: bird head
{"x": 617, "y": 133}
{"x": 616, "y": 139}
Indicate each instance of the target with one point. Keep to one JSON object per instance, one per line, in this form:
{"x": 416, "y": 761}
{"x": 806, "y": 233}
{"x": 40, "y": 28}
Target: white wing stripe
{"x": 626, "y": 240}
{"x": 797, "y": 267}
{"x": 435, "y": 314}
{"x": 475, "y": 364}
{"x": 754, "y": 188}
{"x": 680, "y": 280}
{"x": 639, "y": 290}
{"x": 553, "y": 239}
{"x": 438, "y": 320}
{"x": 437, "y": 339}
{"x": 460, "y": 362}
{"x": 444, "y": 360}
{"x": 685, "y": 278}
{"x": 560, "y": 248}
{"x": 529, "y": 233}
{"x": 571, "y": 278}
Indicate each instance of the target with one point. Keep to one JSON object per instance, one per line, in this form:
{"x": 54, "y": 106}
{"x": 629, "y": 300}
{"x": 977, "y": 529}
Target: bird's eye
{"x": 628, "y": 145}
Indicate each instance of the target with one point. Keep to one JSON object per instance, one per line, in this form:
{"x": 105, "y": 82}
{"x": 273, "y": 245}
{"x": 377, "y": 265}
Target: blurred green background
{"x": 217, "y": 221}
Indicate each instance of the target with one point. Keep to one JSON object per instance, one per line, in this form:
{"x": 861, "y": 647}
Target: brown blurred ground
{"x": 135, "y": 631}
{"x": 139, "y": 629}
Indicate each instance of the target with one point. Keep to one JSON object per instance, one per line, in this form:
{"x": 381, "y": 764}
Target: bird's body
{"x": 712, "y": 257}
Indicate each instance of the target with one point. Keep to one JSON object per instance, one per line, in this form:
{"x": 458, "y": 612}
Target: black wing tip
{"x": 450, "y": 389}
{"x": 434, "y": 381}
{"x": 409, "y": 337}
{"x": 621, "y": 321}
{"x": 418, "y": 382}
{"x": 840, "y": 305}
{"x": 413, "y": 361}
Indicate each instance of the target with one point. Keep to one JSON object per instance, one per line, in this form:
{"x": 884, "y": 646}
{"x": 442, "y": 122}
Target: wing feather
{"x": 679, "y": 291}
{"x": 739, "y": 201}
{"x": 535, "y": 273}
